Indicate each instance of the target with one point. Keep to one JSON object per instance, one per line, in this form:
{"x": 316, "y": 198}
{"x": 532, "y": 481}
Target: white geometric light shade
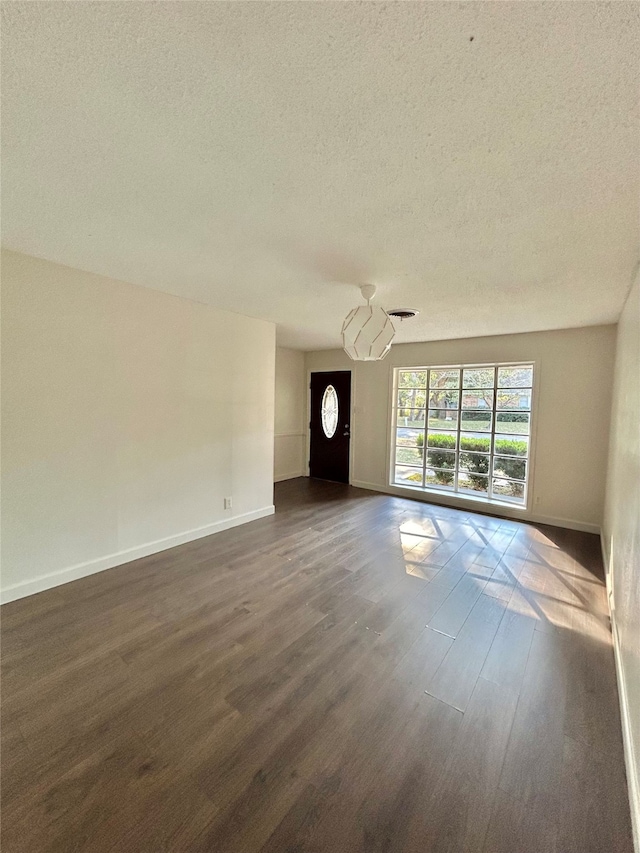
{"x": 367, "y": 332}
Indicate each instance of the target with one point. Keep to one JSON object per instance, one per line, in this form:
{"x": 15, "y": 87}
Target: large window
{"x": 464, "y": 430}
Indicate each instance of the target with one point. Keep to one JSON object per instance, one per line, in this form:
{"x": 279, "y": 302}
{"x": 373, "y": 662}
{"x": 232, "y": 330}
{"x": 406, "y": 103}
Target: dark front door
{"x": 330, "y": 425}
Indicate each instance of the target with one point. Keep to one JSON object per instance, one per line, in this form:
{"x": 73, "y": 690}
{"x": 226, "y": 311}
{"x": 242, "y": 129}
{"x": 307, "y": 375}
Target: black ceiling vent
{"x": 403, "y": 313}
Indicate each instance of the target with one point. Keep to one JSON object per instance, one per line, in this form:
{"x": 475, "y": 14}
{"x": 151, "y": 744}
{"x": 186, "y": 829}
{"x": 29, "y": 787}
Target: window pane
{"x": 507, "y": 445}
{"x": 519, "y": 399}
{"x": 478, "y": 421}
{"x": 412, "y": 379}
{"x": 411, "y": 398}
{"x": 513, "y": 467}
{"x": 445, "y": 423}
{"x": 477, "y": 400}
{"x": 443, "y": 419}
{"x": 478, "y": 377}
{"x": 475, "y": 463}
{"x": 446, "y": 441}
{"x": 409, "y": 437}
{"x": 408, "y": 476}
{"x": 443, "y": 399}
{"x": 516, "y": 422}
{"x": 409, "y": 455}
{"x": 439, "y": 479}
{"x": 410, "y": 417}
{"x": 444, "y": 378}
{"x": 475, "y": 443}
{"x": 441, "y": 458}
{"x": 508, "y": 491}
{"x": 473, "y": 484}
{"x": 515, "y": 377}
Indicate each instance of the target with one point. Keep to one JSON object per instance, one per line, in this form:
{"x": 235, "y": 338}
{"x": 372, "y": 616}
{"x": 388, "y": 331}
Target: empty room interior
{"x": 320, "y": 427}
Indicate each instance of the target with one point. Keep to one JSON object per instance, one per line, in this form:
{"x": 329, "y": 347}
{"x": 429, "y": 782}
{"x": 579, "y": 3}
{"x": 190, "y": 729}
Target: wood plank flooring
{"x": 358, "y": 672}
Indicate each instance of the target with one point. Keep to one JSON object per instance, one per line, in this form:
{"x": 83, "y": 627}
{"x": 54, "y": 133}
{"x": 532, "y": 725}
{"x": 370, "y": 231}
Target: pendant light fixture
{"x": 367, "y": 332}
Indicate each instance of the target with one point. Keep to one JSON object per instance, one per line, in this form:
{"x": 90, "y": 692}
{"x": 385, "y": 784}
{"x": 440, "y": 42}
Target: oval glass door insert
{"x": 329, "y": 411}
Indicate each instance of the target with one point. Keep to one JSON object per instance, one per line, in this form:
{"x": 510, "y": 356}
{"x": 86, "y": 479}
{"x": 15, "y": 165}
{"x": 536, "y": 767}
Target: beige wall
{"x": 290, "y": 415}
{"x": 574, "y": 369}
{"x": 127, "y": 417}
{"x": 621, "y": 533}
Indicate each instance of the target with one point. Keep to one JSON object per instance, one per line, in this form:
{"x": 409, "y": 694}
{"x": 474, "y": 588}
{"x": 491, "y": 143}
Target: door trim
{"x": 351, "y": 418}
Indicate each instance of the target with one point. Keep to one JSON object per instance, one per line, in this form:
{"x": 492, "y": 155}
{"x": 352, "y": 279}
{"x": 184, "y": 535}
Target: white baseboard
{"x": 569, "y": 523}
{"x": 291, "y": 476}
{"x": 458, "y": 502}
{"x": 110, "y": 561}
{"x": 630, "y": 758}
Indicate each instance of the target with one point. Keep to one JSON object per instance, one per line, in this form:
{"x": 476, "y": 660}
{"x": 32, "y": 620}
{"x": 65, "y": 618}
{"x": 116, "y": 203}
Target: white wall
{"x": 574, "y": 369}
{"x": 621, "y": 534}
{"x": 290, "y": 415}
{"x": 127, "y": 417}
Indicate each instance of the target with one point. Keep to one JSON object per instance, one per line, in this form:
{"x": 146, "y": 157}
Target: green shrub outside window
{"x": 512, "y": 467}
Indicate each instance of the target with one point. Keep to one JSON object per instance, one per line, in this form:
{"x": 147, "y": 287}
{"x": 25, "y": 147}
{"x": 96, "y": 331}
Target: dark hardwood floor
{"x": 356, "y": 673}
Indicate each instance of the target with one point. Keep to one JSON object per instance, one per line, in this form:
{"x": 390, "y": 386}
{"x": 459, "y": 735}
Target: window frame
{"x": 451, "y": 492}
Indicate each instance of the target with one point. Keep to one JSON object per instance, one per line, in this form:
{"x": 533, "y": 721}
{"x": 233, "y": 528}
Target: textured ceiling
{"x": 477, "y": 161}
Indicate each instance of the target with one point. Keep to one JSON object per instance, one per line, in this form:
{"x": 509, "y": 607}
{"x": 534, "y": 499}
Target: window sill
{"x": 456, "y": 497}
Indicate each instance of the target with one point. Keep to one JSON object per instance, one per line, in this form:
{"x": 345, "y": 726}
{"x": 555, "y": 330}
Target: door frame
{"x": 351, "y": 414}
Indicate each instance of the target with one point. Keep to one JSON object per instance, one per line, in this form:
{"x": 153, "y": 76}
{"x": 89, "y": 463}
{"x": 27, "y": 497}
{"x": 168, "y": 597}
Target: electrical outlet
{"x": 228, "y": 503}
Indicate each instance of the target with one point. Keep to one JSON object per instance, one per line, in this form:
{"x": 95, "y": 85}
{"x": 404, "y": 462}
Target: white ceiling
{"x": 267, "y": 157}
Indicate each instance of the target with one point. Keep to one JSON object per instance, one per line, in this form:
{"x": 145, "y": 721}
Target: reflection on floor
{"x": 356, "y": 673}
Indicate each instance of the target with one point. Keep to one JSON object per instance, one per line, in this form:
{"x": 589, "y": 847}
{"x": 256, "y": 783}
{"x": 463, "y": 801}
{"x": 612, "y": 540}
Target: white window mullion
{"x": 492, "y": 438}
{"x": 458, "y": 433}
{"x": 426, "y": 429}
